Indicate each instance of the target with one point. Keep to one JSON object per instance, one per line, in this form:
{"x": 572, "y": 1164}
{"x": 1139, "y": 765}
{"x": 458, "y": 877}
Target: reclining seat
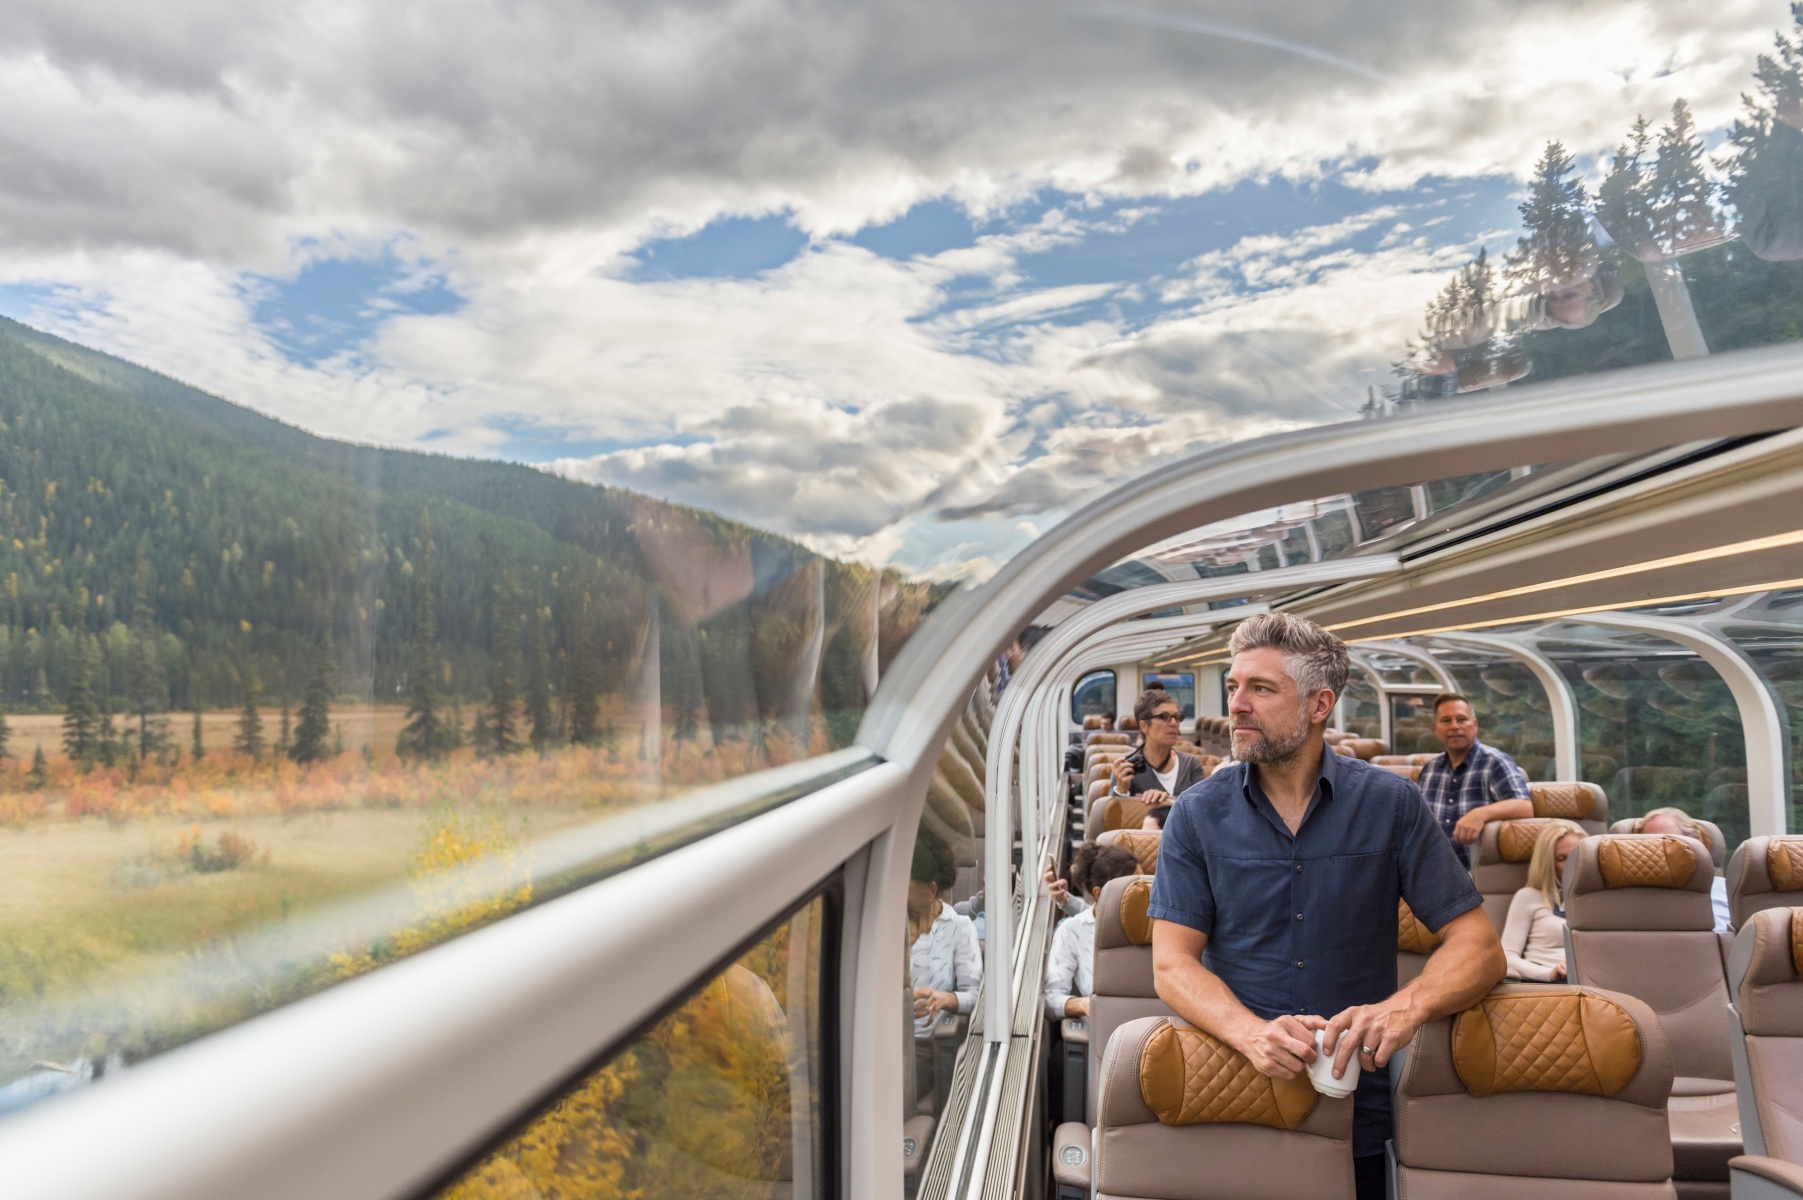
{"x": 1414, "y": 942}
{"x": 1718, "y": 843}
{"x": 1142, "y": 844}
{"x": 1765, "y": 978}
{"x": 1585, "y": 803}
{"x": 1499, "y": 863}
{"x": 1183, "y": 1116}
{"x": 1640, "y": 922}
{"x": 1539, "y": 1090}
{"x": 1765, "y": 872}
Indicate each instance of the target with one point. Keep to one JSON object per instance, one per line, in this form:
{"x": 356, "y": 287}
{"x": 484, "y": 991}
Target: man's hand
{"x": 928, "y": 1002}
{"x": 1123, "y": 775}
{"x": 1155, "y": 798}
{"x": 1471, "y": 826}
{"x": 1558, "y": 975}
{"x": 1282, "y": 1048}
{"x": 1060, "y": 890}
{"x": 1077, "y": 1006}
{"x": 1373, "y": 1031}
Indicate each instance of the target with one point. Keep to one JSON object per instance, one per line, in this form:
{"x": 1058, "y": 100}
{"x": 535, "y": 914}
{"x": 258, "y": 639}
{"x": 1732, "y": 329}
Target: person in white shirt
{"x": 944, "y": 960}
{"x": 1070, "y": 976}
{"x": 1533, "y": 936}
{"x": 1678, "y": 823}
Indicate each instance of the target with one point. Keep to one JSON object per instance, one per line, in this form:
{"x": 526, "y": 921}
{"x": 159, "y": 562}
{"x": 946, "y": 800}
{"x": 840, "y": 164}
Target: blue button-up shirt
{"x": 1306, "y": 922}
{"x": 1485, "y": 777}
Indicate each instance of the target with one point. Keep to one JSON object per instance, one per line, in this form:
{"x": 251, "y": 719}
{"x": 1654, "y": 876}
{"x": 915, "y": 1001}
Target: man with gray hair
{"x": 1275, "y": 903}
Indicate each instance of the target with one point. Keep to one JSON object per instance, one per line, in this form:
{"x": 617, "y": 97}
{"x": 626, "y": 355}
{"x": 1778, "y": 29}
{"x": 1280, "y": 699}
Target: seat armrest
{"x": 917, "y": 1136}
{"x": 1070, "y": 1155}
{"x": 1075, "y": 1030}
{"x": 1755, "y": 1177}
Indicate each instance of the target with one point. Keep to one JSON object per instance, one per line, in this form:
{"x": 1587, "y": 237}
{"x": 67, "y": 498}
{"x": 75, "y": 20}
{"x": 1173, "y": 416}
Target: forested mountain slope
{"x": 136, "y": 511}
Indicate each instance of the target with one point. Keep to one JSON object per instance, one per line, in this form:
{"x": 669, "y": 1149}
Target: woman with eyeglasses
{"x": 1157, "y": 773}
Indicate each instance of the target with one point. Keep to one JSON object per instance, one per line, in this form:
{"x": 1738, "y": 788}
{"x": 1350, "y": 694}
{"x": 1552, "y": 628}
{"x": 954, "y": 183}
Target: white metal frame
{"x": 368, "y": 1090}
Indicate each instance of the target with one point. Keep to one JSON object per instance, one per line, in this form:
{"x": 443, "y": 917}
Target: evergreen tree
{"x": 249, "y": 739}
{"x": 479, "y": 731}
{"x": 538, "y": 685}
{"x": 110, "y": 743}
{"x": 81, "y": 715}
{"x": 1624, "y": 203}
{"x": 422, "y": 736}
{"x": 1558, "y": 247}
{"x": 39, "y": 774}
{"x": 503, "y": 701}
{"x": 145, "y": 685}
{"x": 315, "y": 711}
{"x": 582, "y": 680}
{"x": 1682, "y": 209}
{"x": 6, "y": 736}
{"x": 197, "y": 749}
{"x": 1765, "y": 174}
{"x": 284, "y": 731}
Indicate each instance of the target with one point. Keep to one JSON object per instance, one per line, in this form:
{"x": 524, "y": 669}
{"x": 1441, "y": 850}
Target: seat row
{"x": 1715, "y": 1026}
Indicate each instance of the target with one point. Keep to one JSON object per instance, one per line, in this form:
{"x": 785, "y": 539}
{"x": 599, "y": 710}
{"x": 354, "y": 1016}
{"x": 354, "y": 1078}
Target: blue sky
{"x": 906, "y": 282}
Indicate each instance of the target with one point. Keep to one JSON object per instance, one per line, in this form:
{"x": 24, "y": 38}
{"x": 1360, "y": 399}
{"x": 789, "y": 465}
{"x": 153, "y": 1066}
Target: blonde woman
{"x": 1533, "y": 937}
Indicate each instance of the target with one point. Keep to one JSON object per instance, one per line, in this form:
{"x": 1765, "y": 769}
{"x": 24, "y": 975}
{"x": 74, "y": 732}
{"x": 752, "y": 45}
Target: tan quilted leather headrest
{"x": 1575, "y": 1041}
{"x": 1189, "y": 1077}
{"x": 1411, "y": 935}
{"x": 1641, "y": 861}
{"x": 1784, "y": 863}
{"x": 1570, "y": 801}
{"x": 1134, "y": 902}
{"x": 1515, "y": 839}
{"x": 1142, "y": 844}
{"x": 1124, "y": 812}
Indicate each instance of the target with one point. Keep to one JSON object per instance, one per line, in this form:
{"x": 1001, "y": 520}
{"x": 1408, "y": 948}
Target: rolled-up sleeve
{"x": 967, "y": 963}
{"x": 1180, "y": 890}
{"x": 1507, "y": 780}
{"x": 1430, "y": 876}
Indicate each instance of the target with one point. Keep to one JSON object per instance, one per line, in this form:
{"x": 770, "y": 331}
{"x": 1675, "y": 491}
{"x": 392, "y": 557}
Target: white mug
{"x": 1320, "y": 1072}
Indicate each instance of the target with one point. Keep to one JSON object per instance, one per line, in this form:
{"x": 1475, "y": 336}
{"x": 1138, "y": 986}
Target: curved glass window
{"x": 1769, "y": 631}
{"x": 1094, "y": 696}
{"x": 1657, "y": 725}
{"x": 1512, "y": 709}
{"x": 1363, "y": 707}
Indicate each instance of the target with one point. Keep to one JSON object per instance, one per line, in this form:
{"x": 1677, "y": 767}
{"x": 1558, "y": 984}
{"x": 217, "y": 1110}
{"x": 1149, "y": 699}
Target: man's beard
{"x": 1269, "y": 748}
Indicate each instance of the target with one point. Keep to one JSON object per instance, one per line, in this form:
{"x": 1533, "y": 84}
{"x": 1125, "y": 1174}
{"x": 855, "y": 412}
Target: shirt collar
{"x": 1475, "y": 754}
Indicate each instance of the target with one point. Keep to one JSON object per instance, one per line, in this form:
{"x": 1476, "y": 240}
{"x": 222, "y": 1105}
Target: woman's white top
{"x": 946, "y": 958}
{"x": 1072, "y": 971}
{"x": 1533, "y": 937}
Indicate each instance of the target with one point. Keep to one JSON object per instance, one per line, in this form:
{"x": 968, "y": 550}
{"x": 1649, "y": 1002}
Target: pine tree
{"x": 110, "y": 743}
{"x": 39, "y": 774}
{"x": 582, "y": 692}
{"x": 1559, "y": 247}
{"x": 1683, "y": 211}
{"x": 538, "y": 685}
{"x": 145, "y": 686}
{"x": 6, "y": 736}
{"x": 503, "y": 701}
{"x": 1765, "y": 174}
{"x": 315, "y": 711}
{"x": 249, "y": 739}
{"x": 479, "y": 731}
{"x": 284, "y": 731}
{"x": 197, "y": 749}
{"x": 1623, "y": 200}
{"x": 81, "y": 715}
{"x": 422, "y": 736}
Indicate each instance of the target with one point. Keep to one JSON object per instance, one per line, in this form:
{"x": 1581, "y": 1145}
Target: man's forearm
{"x": 1456, "y": 976}
{"x": 1507, "y": 810}
{"x": 1198, "y": 996}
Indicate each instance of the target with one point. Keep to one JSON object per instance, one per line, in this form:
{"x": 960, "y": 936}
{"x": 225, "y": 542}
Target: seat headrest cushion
{"x": 1574, "y": 1041}
{"x": 1134, "y": 921}
{"x": 1641, "y": 861}
{"x": 1189, "y": 1077}
{"x": 1124, "y": 812}
{"x": 1796, "y": 939}
{"x": 1570, "y": 801}
{"x": 1411, "y": 935}
{"x": 1784, "y": 863}
{"x": 1515, "y": 839}
{"x": 1142, "y": 844}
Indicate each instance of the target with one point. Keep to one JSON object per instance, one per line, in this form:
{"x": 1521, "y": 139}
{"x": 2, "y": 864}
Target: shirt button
{"x": 1298, "y": 916}
{"x": 1298, "y": 868}
{"x": 1299, "y": 964}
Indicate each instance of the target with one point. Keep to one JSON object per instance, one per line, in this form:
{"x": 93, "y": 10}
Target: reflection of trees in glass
{"x": 1765, "y": 172}
{"x": 1464, "y": 345}
{"x": 1556, "y": 266}
{"x": 1513, "y": 712}
{"x": 1662, "y": 204}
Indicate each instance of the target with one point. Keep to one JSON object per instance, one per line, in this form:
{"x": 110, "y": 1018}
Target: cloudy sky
{"x": 903, "y": 279}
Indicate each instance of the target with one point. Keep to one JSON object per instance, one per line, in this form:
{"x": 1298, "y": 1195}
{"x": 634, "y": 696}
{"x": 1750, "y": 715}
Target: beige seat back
{"x": 1366, "y": 748}
{"x": 1765, "y": 975}
{"x": 1585, "y": 803}
{"x": 1414, "y": 942}
{"x": 1563, "y": 1086}
{"x": 1108, "y": 812}
{"x": 1109, "y": 738}
{"x": 1718, "y": 844}
{"x": 1499, "y": 863}
{"x": 1764, "y": 872}
{"x": 1637, "y": 906}
{"x": 1123, "y": 969}
{"x": 1142, "y": 844}
{"x": 1183, "y": 1116}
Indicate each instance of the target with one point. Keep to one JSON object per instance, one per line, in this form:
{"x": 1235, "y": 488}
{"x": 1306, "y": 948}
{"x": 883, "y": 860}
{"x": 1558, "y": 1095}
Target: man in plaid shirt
{"x": 1470, "y": 784}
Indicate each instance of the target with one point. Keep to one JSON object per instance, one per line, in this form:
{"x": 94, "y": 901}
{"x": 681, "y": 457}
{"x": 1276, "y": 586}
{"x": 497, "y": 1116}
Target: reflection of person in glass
{"x": 1157, "y": 772}
{"x": 945, "y": 963}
